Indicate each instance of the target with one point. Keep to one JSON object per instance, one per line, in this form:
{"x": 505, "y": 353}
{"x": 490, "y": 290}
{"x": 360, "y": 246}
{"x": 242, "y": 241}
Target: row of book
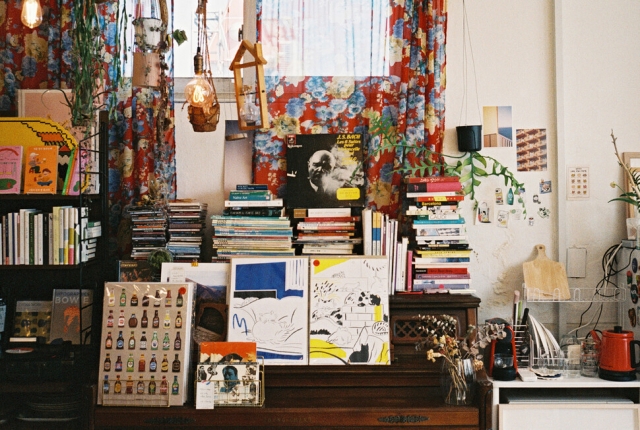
{"x": 186, "y": 222}
{"x": 149, "y": 230}
{"x": 253, "y": 223}
{"x": 64, "y": 236}
{"x": 327, "y": 231}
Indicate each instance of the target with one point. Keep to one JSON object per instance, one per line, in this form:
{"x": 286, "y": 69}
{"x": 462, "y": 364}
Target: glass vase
{"x": 458, "y": 381}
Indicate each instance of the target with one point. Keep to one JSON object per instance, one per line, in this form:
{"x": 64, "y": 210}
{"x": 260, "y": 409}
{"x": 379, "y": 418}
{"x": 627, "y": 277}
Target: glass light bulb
{"x": 199, "y": 92}
{"x": 31, "y": 13}
{"x": 250, "y": 112}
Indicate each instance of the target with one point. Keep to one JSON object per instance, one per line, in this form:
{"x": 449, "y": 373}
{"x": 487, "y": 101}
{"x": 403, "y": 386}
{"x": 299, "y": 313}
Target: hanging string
{"x": 466, "y": 36}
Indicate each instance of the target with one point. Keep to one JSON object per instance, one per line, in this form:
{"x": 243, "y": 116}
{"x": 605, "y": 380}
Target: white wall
{"x": 518, "y": 61}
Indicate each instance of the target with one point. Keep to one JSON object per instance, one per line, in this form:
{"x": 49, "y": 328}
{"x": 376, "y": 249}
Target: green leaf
{"x": 480, "y": 172}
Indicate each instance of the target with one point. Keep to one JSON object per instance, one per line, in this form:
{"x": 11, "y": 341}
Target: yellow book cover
{"x": 41, "y": 169}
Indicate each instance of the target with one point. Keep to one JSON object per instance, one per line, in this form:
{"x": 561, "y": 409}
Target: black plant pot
{"x": 469, "y": 138}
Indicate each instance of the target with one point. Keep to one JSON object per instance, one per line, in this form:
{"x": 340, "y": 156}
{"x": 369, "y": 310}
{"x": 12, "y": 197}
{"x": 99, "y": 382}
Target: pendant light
{"x": 199, "y": 92}
{"x": 31, "y": 13}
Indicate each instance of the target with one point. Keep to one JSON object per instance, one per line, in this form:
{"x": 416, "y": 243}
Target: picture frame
{"x": 631, "y": 159}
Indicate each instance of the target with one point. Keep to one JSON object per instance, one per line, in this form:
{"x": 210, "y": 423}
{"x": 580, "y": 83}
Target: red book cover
{"x": 431, "y": 179}
{"x": 442, "y": 270}
{"x": 434, "y": 187}
{"x": 457, "y": 198}
{"x": 409, "y": 270}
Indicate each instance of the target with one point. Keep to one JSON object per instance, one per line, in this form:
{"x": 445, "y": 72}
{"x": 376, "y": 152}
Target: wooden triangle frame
{"x": 261, "y": 93}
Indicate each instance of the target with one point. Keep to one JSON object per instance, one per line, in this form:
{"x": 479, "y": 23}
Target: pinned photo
{"x": 503, "y": 219}
{"x": 545, "y": 187}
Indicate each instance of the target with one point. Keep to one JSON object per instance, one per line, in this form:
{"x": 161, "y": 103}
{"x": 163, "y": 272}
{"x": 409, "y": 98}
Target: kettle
{"x": 618, "y": 358}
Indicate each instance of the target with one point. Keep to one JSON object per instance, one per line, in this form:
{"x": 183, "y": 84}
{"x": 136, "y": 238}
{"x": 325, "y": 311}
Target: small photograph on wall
{"x": 497, "y": 126}
{"x": 531, "y": 146}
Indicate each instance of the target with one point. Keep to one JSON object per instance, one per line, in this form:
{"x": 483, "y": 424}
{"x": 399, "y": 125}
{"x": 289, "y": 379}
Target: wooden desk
{"x": 405, "y": 394}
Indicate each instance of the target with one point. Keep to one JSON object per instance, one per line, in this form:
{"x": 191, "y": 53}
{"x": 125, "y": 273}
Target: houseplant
{"x": 461, "y": 358}
{"x": 630, "y": 193}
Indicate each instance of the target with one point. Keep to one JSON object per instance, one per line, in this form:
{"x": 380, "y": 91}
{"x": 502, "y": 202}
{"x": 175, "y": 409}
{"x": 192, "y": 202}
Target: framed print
{"x": 631, "y": 159}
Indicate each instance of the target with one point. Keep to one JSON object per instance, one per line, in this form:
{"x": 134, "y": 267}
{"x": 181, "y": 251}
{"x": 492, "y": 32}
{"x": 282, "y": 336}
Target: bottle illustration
{"x": 108, "y": 343}
{"x": 164, "y": 367}
{"x": 110, "y": 319}
{"x": 143, "y": 340}
{"x": 177, "y": 343}
{"x": 112, "y": 298}
{"x": 130, "y": 363}
{"x": 121, "y": 318}
{"x": 175, "y": 366}
{"x": 163, "y": 385}
{"x": 145, "y": 300}
{"x": 156, "y": 320}
{"x": 120, "y": 341}
{"x": 133, "y": 321}
{"x": 140, "y": 388}
{"x": 166, "y": 342}
{"x": 152, "y": 385}
{"x": 123, "y": 298}
{"x": 178, "y": 322}
{"x": 144, "y": 322}
{"x": 154, "y": 341}
{"x": 153, "y": 364}
{"x": 167, "y": 320}
{"x": 167, "y": 300}
{"x": 107, "y": 363}
{"x": 156, "y": 302}
{"x": 132, "y": 341}
{"x": 142, "y": 363}
{"x": 118, "y": 364}
{"x": 175, "y": 387}
{"x": 129, "y": 385}
{"x": 180, "y": 299}
{"x": 510, "y": 197}
{"x": 134, "y": 299}
{"x": 117, "y": 386}
{"x": 105, "y": 385}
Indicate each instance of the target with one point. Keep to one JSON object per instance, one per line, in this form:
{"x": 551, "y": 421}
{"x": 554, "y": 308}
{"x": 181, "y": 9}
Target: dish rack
{"x": 578, "y": 295}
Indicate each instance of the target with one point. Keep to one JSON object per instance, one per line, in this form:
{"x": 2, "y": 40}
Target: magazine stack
{"x": 251, "y": 225}
{"x": 149, "y": 230}
{"x": 186, "y": 224}
{"x": 441, "y": 255}
{"x": 329, "y": 231}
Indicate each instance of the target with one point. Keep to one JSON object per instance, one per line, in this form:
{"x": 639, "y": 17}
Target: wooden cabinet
{"x": 405, "y": 394}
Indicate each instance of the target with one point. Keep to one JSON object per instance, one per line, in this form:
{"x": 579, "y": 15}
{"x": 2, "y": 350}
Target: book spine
{"x": 253, "y": 203}
{"x": 433, "y": 194}
{"x": 427, "y": 222}
{"x": 431, "y": 179}
{"x": 251, "y": 187}
{"x": 431, "y": 260}
{"x": 267, "y": 212}
{"x": 434, "y": 187}
{"x": 31, "y": 238}
{"x": 439, "y": 198}
{"x": 249, "y": 195}
{"x": 441, "y": 276}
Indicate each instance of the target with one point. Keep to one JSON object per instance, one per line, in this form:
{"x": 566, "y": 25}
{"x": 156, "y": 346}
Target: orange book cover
{"x": 41, "y": 169}
{"x": 228, "y": 351}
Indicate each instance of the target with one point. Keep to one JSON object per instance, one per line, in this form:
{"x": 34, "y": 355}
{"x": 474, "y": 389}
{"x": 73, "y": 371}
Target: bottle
{"x": 164, "y": 367}
{"x": 121, "y": 318}
{"x": 179, "y": 300}
{"x": 167, "y": 300}
{"x": 145, "y": 300}
{"x": 140, "y": 389}
{"x": 166, "y": 342}
{"x": 510, "y": 197}
{"x": 118, "y": 364}
{"x": 133, "y": 321}
{"x": 154, "y": 341}
{"x": 152, "y": 385}
{"x": 144, "y": 322}
{"x": 108, "y": 343}
{"x": 132, "y": 341}
{"x": 105, "y": 385}
{"x": 107, "y": 363}
{"x": 142, "y": 364}
{"x": 167, "y": 320}
{"x": 129, "y": 385}
{"x": 153, "y": 364}
{"x": 117, "y": 386}
{"x": 177, "y": 343}
{"x": 143, "y": 341}
{"x": 134, "y": 299}
{"x": 110, "y": 319}
{"x": 120, "y": 341}
{"x": 123, "y": 298}
{"x": 178, "y": 322}
{"x": 156, "y": 320}
{"x": 156, "y": 302}
{"x": 130, "y": 363}
{"x": 112, "y": 299}
{"x": 175, "y": 366}
{"x": 175, "y": 387}
{"x": 163, "y": 385}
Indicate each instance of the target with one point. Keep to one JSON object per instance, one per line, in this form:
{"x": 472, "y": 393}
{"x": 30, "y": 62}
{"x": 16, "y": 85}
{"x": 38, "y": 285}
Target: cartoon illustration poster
{"x": 349, "y": 311}
{"x": 41, "y": 169}
{"x": 269, "y": 305}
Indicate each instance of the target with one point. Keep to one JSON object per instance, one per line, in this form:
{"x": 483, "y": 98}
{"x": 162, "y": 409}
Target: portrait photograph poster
{"x": 269, "y": 305}
{"x": 349, "y": 311}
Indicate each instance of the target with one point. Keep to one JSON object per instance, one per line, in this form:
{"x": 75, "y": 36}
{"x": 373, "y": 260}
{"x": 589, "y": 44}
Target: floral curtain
{"x": 412, "y": 95}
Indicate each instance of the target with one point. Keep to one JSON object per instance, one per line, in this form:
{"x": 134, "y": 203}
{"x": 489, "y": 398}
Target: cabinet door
{"x": 583, "y": 416}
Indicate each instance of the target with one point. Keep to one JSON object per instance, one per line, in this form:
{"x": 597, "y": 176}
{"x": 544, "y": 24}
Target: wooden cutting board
{"x": 545, "y": 279}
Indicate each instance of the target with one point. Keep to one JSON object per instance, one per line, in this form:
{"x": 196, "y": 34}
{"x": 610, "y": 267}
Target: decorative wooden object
{"x": 261, "y": 94}
{"x": 147, "y": 67}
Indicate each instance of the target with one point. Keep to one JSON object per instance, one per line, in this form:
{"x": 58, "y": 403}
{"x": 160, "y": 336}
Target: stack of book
{"x": 149, "y": 230}
{"x": 186, "y": 220}
{"x": 253, "y": 224}
{"x": 380, "y": 237}
{"x": 330, "y": 231}
{"x": 441, "y": 255}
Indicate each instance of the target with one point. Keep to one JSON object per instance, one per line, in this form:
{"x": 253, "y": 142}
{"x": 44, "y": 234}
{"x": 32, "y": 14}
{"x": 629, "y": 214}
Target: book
{"x": 32, "y": 318}
{"x": 326, "y": 212}
{"x": 325, "y": 170}
{"x": 41, "y": 169}
{"x": 134, "y": 271}
{"x": 256, "y": 211}
{"x": 432, "y": 194}
{"x": 417, "y": 286}
{"x": 434, "y": 187}
{"x": 427, "y": 260}
{"x": 440, "y": 270}
{"x": 439, "y": 198}
{"x": 444, "y": 253}
{"x": 10, "y": 169}
{"x": 442, "y": 276}
{"x": 445, "y": 231}
{"x": 242, "y": 187}
{"x": 250, "y": 195}
{"x": 431, "y": 179}
{"x": 253, "y": 203}
{"x": 67, "y": 312}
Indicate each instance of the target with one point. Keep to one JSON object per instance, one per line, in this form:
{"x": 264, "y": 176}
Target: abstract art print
{"x": 349, "y": 311}
{"x": 269, "y": 305}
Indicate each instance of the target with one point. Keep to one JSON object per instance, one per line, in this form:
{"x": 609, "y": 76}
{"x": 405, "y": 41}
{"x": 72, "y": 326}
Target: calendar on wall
{"x": 145, "y": 344}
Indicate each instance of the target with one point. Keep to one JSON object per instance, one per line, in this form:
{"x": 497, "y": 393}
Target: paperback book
{"x": 10, "y": 169}
{"x": 68, "y": 313}
{"x": 41, "y": 170}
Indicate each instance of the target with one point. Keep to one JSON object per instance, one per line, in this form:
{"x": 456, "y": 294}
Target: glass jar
{"x": 458, "y": 381}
